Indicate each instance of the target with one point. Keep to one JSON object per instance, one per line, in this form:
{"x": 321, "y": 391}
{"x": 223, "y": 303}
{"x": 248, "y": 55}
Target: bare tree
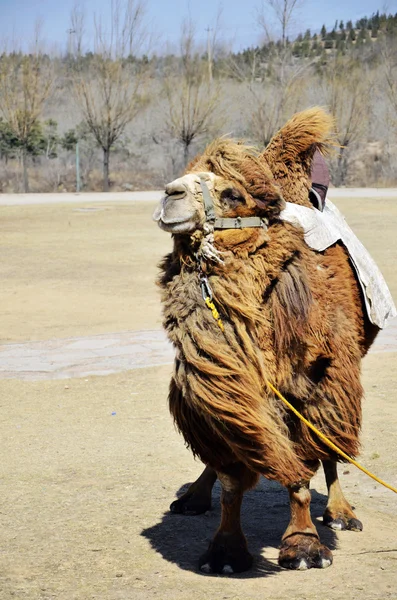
{"x": 346, "y": 87}
{"x": 26, "y": 82}
{"x": 110, "y": 92}
{"x": 388, "y": 52}
{"x": 192, "y": 95}
{"x": 274, "y": 97}
{"x": 274, "y": 81}
{"x": 212, "y": 40}
{"x": 275, "y": 87}
{"x": 77, "y": 30}
{"x": 284, "y": 12}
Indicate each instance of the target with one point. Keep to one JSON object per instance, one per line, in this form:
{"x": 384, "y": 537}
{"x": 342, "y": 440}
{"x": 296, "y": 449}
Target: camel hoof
{"x": 190, "y": 504}
{"x": 342, "y": 523}
{"x": 225, "y": 556}
{"x": 301, "y": 552}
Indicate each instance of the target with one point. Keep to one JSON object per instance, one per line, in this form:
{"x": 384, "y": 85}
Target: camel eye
{"x": 231, "y": 198}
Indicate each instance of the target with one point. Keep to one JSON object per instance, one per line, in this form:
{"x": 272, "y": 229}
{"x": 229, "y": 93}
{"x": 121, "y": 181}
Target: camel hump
{"x": 303, "y": 134}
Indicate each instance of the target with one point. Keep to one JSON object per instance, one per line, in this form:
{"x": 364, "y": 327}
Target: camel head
{"x": 243, "y": 182}
{"x": 240, "y": 186}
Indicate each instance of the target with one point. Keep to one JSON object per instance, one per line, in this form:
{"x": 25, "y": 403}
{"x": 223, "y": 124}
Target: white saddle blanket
{"x": 322, "y": 230}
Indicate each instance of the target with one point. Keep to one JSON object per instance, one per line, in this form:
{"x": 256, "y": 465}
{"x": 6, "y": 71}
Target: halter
{"x": 227, "y": 222}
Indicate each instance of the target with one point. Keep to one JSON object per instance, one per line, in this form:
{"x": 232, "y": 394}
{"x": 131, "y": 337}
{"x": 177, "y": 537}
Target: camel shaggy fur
{"x": 291, "y": 315}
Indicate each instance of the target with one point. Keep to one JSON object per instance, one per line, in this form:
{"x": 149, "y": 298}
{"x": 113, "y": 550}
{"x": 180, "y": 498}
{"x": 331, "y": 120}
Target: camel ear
{"x": 260, "y": 184}
{"x": 301, "y": 136}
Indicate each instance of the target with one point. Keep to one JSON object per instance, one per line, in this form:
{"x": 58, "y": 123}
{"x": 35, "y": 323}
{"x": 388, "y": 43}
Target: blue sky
{"x": 238, "y": 23}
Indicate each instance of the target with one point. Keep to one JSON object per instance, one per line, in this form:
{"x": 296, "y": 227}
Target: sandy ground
{"x": 90, "y": 465}
{"x": 78, "y": 270}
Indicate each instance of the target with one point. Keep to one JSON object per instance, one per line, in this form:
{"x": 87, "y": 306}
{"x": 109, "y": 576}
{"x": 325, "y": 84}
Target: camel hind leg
{"x": 338, "y": 513}
{"x": 197, "y": 499}
{"x": 228, "y": 552}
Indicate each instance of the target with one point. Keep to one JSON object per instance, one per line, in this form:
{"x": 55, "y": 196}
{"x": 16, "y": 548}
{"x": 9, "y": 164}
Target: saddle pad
{"x": 322, "y": 230}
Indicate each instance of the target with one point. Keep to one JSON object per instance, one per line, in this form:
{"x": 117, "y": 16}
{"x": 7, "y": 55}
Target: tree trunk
{"x": 106, "y": 152}
{"x": 186, "y": 153}
{"x": 341, "y": 172}
{"x": 25, "y": 171}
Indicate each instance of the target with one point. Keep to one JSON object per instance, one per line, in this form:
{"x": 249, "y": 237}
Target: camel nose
{"x": 176, "y": 189}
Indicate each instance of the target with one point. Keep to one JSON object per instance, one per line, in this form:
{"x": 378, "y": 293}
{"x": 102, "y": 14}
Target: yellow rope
{"x": 215, "y": 313}
{"x": 327, "y": 441}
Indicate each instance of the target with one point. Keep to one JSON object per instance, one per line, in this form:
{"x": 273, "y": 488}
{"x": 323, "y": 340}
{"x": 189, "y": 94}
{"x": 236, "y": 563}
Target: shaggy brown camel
{"x": 287, "y": 314}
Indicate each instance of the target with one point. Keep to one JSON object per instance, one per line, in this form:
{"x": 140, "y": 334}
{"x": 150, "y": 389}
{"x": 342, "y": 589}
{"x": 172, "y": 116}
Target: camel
{"x": 246, "y": 301}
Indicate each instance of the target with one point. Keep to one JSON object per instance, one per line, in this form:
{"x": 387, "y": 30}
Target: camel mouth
{"x": 172, "y": 220}
{"x": 175, "y": 214}
{"x": 177, "y": 227}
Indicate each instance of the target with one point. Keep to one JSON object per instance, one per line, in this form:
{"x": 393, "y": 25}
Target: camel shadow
{"x": 265, "y": 515}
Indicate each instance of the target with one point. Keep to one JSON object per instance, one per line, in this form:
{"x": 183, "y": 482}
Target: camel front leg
{"x": 228, "y": 552}
{"x": 338, "y": 513}
{"x": 197, "y": 499}
{"x": 301, "y": 547}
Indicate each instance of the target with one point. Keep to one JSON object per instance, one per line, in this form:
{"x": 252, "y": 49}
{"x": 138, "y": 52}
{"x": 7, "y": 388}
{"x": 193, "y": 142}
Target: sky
{"x": 238, "y": 23}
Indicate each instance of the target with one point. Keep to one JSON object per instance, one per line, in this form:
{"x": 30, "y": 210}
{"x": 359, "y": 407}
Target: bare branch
{"x": 110, "y": 93}
{"x": 283, "y": 11}
{"x": 346, "y": 89}
{"x": 388, "y": 50}
{"x": 26, "y": 82}
{"x": 192, "y": 96}
{"x": 77, "y": 26}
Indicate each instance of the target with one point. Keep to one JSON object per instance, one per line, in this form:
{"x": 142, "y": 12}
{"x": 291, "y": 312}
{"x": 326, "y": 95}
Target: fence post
{"x": 77, "y": 168}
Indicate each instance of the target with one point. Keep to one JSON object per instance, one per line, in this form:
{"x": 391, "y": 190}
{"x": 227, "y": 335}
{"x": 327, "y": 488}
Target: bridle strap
{"x": 227, "y": 222}
{"x": 239, "y": 222}
{"x": 208, "y": 203}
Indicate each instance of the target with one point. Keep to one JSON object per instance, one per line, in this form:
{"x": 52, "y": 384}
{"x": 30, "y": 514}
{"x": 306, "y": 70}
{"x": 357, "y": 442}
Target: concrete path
{"x": 155, "y": 196}
{"x": 84, "y": 198}
{"x": 362, "y": 193}
{"x": 108, "y": 353}
{"x": 78, "y": 357}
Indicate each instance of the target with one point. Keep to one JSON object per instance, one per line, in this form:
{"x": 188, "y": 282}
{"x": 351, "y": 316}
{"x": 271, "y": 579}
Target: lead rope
{"x": 207, "y": 297}
{"x": 327, "y": 441}
{"x": 206, "y": 292}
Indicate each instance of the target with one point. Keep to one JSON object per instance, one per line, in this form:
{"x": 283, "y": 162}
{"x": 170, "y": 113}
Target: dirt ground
{"x": 70, "y": 270}
{"x": 89, "y": 466}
